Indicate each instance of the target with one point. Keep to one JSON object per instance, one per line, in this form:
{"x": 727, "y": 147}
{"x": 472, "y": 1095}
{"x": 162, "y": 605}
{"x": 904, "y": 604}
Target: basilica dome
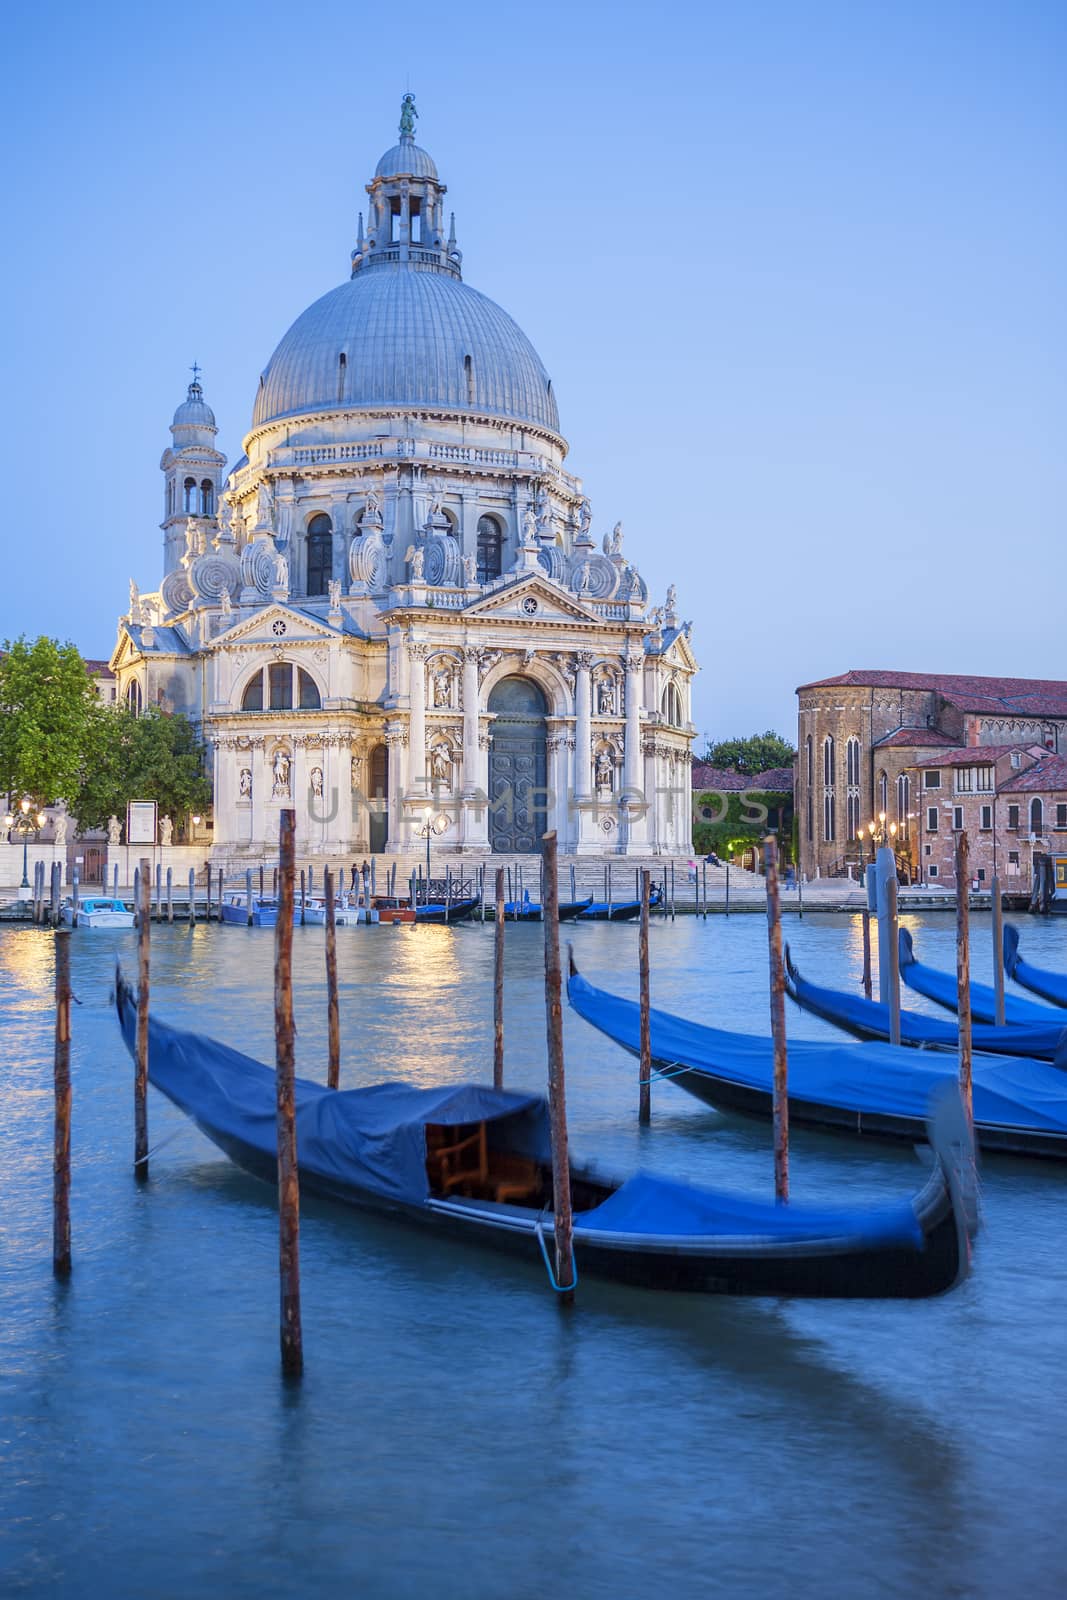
{"x": 406, "y": 330}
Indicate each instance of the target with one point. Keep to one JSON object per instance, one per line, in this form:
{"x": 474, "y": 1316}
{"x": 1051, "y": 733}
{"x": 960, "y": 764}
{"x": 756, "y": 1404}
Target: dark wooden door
{"x": 378, "y": 799}
{"x": 517, "y": 767}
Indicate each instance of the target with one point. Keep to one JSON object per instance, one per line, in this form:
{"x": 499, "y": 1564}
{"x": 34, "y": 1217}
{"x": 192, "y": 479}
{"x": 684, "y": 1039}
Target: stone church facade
{"x": 393, "y": 609}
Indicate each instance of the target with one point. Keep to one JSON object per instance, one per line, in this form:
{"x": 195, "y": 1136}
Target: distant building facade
{"x": 868, "y": 739}
{"x": 394, "y": 601}
{"x": 769, "y": 808}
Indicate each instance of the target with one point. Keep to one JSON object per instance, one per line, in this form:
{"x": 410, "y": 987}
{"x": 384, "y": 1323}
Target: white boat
{"x": 97, "y": 911}
{"x": 346, "y": 914}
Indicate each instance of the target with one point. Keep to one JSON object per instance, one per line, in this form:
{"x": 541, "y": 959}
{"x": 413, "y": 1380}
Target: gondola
{"x": 869, "y": 1019}
{"x": 942, "y": 988}
{"x": 456, "y": 911}
{"x": 1020, "y": 1107}
{"x": 1049, "y": 985}
{"x": 473, "y": 1162}
{"x": 616, "y": 911}
{"x": 532, "y": 911}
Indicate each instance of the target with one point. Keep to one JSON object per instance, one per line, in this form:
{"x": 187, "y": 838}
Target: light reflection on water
{"x": 454, "y": 1431}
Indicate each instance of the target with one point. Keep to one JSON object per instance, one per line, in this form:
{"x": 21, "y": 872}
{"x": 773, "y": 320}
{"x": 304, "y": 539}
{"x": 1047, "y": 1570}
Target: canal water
{"x": 455, "y": 1432}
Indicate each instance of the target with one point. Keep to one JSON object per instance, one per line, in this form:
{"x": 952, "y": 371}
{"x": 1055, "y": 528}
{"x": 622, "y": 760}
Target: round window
{"x": 529, "y": 606}
{"x": 278, "y": 627}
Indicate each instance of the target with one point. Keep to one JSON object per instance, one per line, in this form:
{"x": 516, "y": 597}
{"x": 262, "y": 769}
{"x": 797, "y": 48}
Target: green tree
{"x": 47, "y": 702}
{"x": 760, "y": 752}
{"x": 155, "y": 756}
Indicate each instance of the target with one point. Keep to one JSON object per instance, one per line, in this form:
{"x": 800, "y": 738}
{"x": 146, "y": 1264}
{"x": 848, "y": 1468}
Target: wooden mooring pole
{"x": 998, "y": 954}
{"x": 781, "y": 1070}
{"x": 333, "y": 1015}
{"x": 557, "y": 1095}
{"x": 498, "y": 982}
{"x": 303, "y": 896}
{"x": 893, "y": 958}
{"x": 61, "y": 1147}
{"x": 140, "y": 1069}
{"x": 170, "y": 894}
{"x": 644, "y": 1114}
{"x": 963, "y": 969}
{"x": 192, "y": 895}
{"x": 292, "y": 1339}
{"x": 867, "y": 983}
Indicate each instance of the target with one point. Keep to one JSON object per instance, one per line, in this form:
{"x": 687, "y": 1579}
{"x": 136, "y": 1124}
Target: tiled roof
{"x": 1034, "y": 697}
{"x": 778, "y": 780}
{"x": 914, "y": 738}
{"x": 97, "y": 669}
{"x": 1050, "y": 773}
{"x": 973, "y": 755}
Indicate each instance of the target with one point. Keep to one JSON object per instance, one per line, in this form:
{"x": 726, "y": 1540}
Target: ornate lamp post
{"x": 21, "y": 821}
{"x": 426, "y": 829}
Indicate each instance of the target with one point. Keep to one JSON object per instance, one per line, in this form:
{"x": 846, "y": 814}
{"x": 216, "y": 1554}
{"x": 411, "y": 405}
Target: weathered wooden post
{"x": 781, "y": 1071}
{"x": 261, "y": 880}
{"x": 704, "y": 886}
{"x": 159, "y": 892}
{"x": 481, "y": 892}
{"x": 292, "y": 1340}
{"x": 218, "y": 908}
{"x": 75, "y": 886}
{"x": 333, "y": 1016}
{"x": 311, "y": 880}
{"x": 274, "y": 883}
{"x": 61, "y": 1141}
{"x": 727, "y": 888}
{"x": 413, "y": 892}
{"x": 893, "y": 957}
{"x": 140, "y": 1070}
{"x": 963, "y": 970}
{"x": 367, "y": 896}
{"x": 607, "y": 896}
{"x": 136, "y": 897}
{"x": 673, "y": 908}
{"x": 55, "y": 893}
{"x": 170, "y": 894}
{"x": 573, "y": 895}
{"x": 115, "y": 882}
{"x": 248, "y": 896}
{"x": 998, "y": 954}
{"x": 303, "y": 897}
{"x": 644, "y": 1115}
{"x": 498, "y": 982}
{"x": 867, "y": 981}
{"x": 557, "y": 1096}
{"x": 192, "y": 895}
{"x": 800, "y": 896}
{"x": 448, "y": 892}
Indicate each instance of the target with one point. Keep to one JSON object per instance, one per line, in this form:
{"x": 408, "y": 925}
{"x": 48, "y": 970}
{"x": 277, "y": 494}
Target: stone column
{"x": 399, "y": 834}
{"x": 417, "y": 717}
{"x": 583, "y": 740}
{"x": 636, "y": 830}
{"x": 475, "y": 813}
{"x": 261, "y": 786}
{"x": 298, "y": 797}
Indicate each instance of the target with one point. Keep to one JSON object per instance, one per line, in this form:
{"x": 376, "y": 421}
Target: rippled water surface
{"x": 455, "y": 1433}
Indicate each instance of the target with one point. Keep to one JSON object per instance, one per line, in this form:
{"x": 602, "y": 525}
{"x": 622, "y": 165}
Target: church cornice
{"x": 357, "y": 415}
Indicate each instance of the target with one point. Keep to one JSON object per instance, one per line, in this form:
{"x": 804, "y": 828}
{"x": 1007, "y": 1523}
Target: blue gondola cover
{"x": 1050, "y": 985}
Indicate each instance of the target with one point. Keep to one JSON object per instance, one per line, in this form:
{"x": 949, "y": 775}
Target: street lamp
{"x": 21, "y": 821}
{"x": 426, "y": 829}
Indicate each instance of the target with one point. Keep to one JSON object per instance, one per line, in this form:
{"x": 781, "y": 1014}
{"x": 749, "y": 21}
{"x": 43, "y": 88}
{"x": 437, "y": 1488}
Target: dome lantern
{"x": 405, "y": 223}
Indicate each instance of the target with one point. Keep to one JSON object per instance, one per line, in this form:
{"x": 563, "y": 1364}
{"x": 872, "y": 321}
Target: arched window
{"x": 672, "y": 705}
{"x": 828, "y": 761}
{"x": 1037, "y": 816}
{"x": 207, "y": 498}
{"x": 279, "y": 687}
{"x": 468, "y": 373}
{"x": 809, "y": 766}
{"x": 852, "y": 760}
{"x": 829, "y": 809}
{"x": 170, "y": 497}
{"x": 883, "y": 793}
{"x": 133, "y": 697}
{"x": 320, "y": 554}
{"x": 852, "y": 805}
{"x": 490, "y": 549}
{"x": 903, "y": 803}
{"x": 189, "y": 496}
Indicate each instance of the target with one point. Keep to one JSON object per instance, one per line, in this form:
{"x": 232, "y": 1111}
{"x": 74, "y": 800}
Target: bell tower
{"x": 192, "y": 471}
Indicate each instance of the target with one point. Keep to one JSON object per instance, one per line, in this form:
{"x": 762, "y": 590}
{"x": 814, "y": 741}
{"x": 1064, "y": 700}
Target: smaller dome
{"x": 406, "y": 158}
{"x": 194, "y": 411}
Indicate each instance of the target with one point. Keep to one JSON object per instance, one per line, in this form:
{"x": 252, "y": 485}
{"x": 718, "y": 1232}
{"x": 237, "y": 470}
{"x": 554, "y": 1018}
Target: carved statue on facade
{"x": 529, "y": 526}
{"x": 616, "y": 540}
{"x": 416, "y": 560}
{"x": 334, "y": 590}
{"x": 264, "y": 505}
{"x": 136, "y": 614}
{"x": 61, "y": 828}
{"x": 407, "y": 117}
{"x": 245, "y": 786}
{"x": 543, "y": 507}
{"x": 605, "y": 772}
{"x": 372, "y": 511}
{"x": 225, "y": 603}
{"x": 605, "y": 698}
{"x": 281, "y": 573}
{"x": 585, "y": 520}
{"x": 316, "y": 782}
{"x": 280, "y": 769}
{"x": 442, "y": 689}
{"x": 470, "y": 571}
{"x": 441, "y": 764}
{"x": 114, "y": 830}
{"x": 669, "y": 610}
{"x": 166, "y": 831}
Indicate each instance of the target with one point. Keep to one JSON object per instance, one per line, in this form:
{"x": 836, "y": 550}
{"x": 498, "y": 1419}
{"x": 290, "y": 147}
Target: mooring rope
{"x": 162, "y": 1145}
{"x": 560, "y": 1288}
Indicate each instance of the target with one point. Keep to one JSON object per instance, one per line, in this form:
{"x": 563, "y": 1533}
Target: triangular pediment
{"x": 124, "y": 650}
{"x": 679, "y": 652}
{"x": 271, "y": 623}
{"x": 550, "y": 603}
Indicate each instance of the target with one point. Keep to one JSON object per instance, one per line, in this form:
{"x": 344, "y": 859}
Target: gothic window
{"x": 320, "y": 554}
{"x": 829, "y": 813}
{"x": 883, "y": 794}
{"x": 207, "y": 498}
{"x": 828, "y": 816}
{"x": 852, "y": 757}
{"x": 828, "y": 761}
{"x": 189, "y": 496}
{"x": 279, "y": 687}
{"x": 1037, "y": 816}
{"x": 855, "y": 827}
{"x": 672, "y": 705}
{"x": 133, "y": 698}
{"x": 903, "y": 804}
{"x": 490, "y": 549}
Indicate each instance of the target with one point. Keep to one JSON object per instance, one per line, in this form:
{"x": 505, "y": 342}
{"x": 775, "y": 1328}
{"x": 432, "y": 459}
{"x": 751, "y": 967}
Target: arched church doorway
{"x": 378, "y": 798}
{"x": 517, "y": 766}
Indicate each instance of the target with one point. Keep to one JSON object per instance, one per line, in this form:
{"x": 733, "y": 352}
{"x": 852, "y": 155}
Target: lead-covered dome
{"x": 406, "y": 330}
{"x": 401, "y": 337}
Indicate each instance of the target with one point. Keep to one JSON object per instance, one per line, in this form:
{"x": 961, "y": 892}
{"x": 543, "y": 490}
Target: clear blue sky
{"x": 796, "y": 270}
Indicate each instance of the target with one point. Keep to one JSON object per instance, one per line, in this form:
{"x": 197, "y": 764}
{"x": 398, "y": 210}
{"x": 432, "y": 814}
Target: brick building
{"x": 867, "y": 739}
{"x": 769, "y": 806}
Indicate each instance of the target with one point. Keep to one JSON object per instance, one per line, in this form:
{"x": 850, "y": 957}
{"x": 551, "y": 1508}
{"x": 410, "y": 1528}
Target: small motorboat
{"x": 943, "y": 989}
{"x": 869, "y": 1019}
{"x": 1050, "y": 986}
{"x": 617, "y": 910}
{"x": 97, "y": 911}
{"x": 880, "y": 1090}
{"x": 473, "y": 1162}
{"x": 346, "y": 913}
{"x": 264, "y": 910}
